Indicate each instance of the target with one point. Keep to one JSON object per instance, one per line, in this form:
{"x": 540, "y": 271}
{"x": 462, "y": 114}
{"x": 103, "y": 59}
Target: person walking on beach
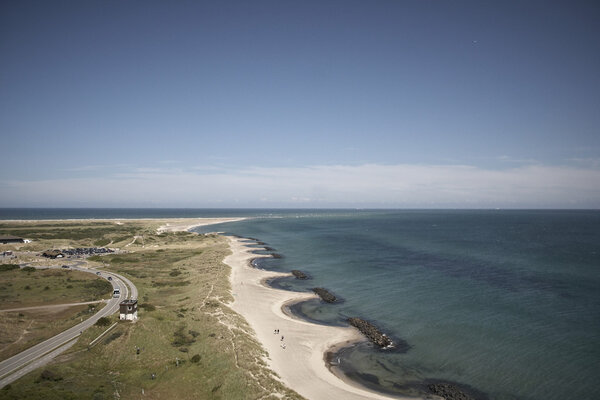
{"x": 282, "y": 338}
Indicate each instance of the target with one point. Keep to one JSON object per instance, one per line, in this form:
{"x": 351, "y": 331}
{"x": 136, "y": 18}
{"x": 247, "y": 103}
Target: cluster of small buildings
{"x": 80, "y": 251}
{"x": 128, "y": 309}
{"x": 86, "y": 251}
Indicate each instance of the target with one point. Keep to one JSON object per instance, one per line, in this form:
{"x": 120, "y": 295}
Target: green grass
{"x": 55, "y": 234}
{"x": 8, "y": 267}
{"x": 64, "y": 286}
{"x": 196, "y": 346}
{"x": 30, "y": 287}
{"x": 23, "y": 329}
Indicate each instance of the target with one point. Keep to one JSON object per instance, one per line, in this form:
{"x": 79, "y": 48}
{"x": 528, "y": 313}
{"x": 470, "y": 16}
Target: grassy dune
{"x": 192, "y": 342}
{"x": 32, "y": 287}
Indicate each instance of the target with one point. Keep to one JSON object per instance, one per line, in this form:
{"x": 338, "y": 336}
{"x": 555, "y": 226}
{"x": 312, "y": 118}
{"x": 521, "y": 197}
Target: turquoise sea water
{"x": 506, "y": 302}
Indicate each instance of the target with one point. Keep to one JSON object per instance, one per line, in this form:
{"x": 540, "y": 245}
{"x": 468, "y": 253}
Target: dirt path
{"x": 53, "y": 306}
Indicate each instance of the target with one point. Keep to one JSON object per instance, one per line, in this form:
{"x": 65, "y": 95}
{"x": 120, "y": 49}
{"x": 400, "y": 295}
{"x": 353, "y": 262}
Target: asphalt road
{"x": 10, "y": 368}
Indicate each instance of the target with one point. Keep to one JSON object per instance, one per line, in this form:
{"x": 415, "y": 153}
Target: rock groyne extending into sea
{"x": 371, "y": 332}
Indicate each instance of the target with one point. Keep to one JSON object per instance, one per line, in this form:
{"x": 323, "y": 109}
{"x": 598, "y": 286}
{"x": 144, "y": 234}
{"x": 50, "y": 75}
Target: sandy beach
{"x": 301, "y": 364}
{"x": 185, "y": 224}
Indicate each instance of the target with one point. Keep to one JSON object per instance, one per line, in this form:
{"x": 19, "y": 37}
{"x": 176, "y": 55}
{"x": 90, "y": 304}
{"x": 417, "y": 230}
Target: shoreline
{"x": 302, "y": 364}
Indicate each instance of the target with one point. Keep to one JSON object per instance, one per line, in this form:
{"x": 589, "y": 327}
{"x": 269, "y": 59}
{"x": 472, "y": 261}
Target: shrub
{"x": 8, "y": 267}
{"x": 196, "y": 358}
{"x": 112, "y": 337}
{"x": 50, "y": 376}
{"x": 28, "y": 269}
{"x": 103, "y": 321}
{"x": 98, "y": 287}
{"x": 181, "y": 338}
{"x": 27, "y": 287}
{"x": 148, "y": 306}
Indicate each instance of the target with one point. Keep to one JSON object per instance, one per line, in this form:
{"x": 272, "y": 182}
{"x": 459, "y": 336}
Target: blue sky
{"x": 300, "y": 104}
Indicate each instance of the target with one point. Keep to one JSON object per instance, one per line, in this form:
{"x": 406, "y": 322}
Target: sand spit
{"x": 185, "y": 224}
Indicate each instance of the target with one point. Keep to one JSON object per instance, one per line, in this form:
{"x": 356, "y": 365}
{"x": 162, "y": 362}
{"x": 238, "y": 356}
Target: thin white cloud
{"x": 369, "y": 185}
{"x": 509, "y": 159}
{"x": 590, "y": 162}
{"x": 97, "y": 167}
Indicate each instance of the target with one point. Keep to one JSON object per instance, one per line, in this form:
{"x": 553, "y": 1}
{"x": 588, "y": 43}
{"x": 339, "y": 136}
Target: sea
{"x": 504, "y": 304}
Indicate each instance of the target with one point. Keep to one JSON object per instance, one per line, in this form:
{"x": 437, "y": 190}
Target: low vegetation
{"x": 187, "y": 343}
{"x": 64, "y": 286}
{"x": 20, "y": 330}
{"x": 8, "y": 267}
{"x": 103, "y": 321}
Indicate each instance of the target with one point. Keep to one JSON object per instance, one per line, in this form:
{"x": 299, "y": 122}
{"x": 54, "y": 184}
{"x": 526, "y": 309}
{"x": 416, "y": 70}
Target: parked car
{"x": 110, "y": 278}
{"x": 65, "y": 266}
{"x": 98, "y": 273}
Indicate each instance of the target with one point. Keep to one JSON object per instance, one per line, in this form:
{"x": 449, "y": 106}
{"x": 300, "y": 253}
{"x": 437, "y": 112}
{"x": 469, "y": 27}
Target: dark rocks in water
{"x": 259, "y": 242}
{"x": 369, "y": 378}
{"x": 448, "y": 391}
{"x": 371, "y": 332}
{"x": 276, "y": 255}
{"x": 324, "y": 294}
{"x": 267, "y": 248}
{"x": 299, "y": 274}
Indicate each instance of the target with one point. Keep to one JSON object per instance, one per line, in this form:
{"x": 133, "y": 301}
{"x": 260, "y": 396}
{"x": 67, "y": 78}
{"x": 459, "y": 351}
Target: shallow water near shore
{"x": 503, "y": 302}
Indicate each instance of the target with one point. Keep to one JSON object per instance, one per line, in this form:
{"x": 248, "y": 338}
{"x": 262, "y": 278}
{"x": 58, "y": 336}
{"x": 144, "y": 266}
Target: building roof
{"x": 128, "y": 302}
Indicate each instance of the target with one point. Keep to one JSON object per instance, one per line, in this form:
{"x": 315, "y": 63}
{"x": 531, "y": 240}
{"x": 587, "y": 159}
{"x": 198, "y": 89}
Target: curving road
{"x": 12, "y": 369}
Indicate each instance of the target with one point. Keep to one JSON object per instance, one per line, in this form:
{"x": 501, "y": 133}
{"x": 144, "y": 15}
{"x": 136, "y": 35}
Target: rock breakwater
{"x": 325, "y": 295}
{"x": 299, "y": 274}
{"x": 448, "y": 391}
{"x": 371, "y": 332}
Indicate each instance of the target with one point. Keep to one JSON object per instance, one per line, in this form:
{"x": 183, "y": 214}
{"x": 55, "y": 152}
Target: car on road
{"x": 65, "y": 266}
{"x": 110, "y": 278}
{"x": 97, "y": 273}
